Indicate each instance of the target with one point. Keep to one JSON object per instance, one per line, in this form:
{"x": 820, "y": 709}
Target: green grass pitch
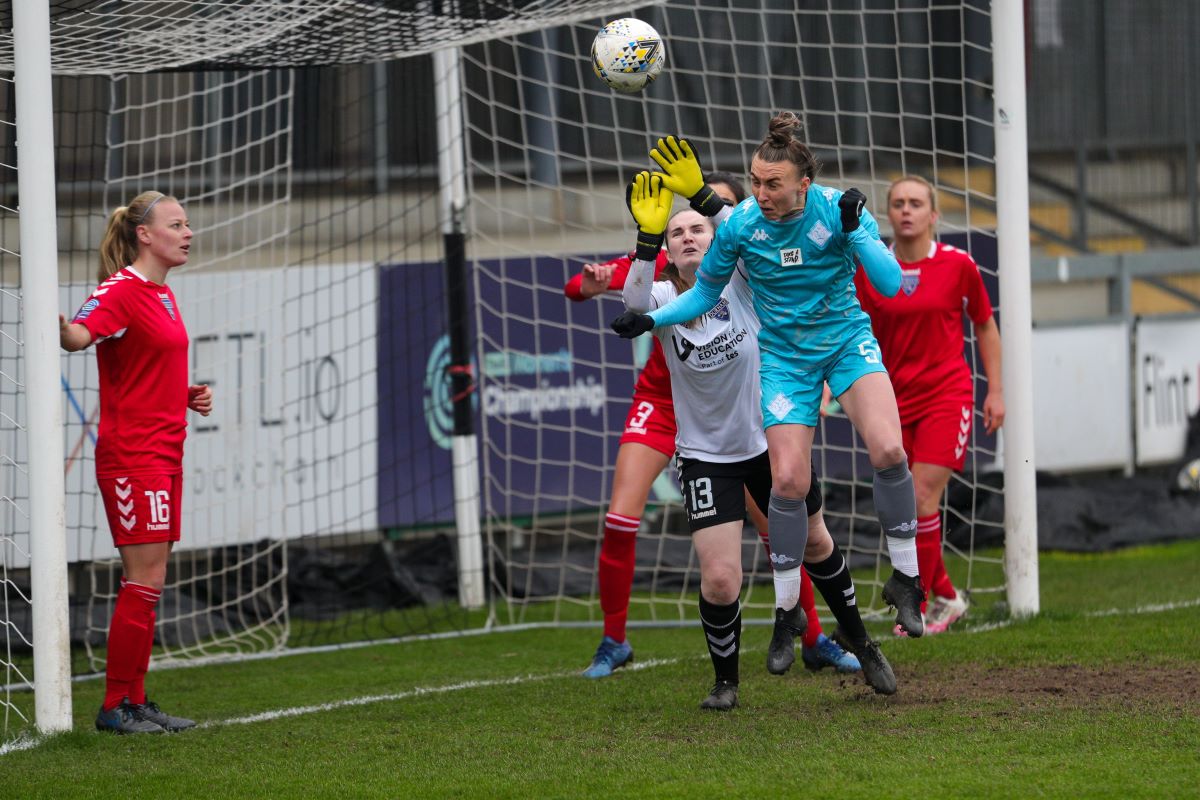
{"x": 1096, "y": 697}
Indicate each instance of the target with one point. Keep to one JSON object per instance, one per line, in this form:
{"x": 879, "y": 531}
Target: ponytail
{"x": 119, "y": 247}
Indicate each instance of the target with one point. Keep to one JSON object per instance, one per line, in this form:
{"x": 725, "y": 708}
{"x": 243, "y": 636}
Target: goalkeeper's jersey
{"x": 802, "y": 271}
{"x": 714, "y": 376}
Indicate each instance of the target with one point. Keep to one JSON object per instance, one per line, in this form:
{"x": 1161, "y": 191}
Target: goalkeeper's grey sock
{"x": 787, "y": 525}
{"x": 896, "y": 507}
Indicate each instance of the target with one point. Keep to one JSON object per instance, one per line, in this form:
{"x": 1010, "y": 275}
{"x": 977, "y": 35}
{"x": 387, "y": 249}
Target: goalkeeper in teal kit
{"x": 797, "y": 243}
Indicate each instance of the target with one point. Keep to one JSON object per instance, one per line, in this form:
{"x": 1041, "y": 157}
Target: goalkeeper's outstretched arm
{"x": 695, "y": 302}
{"x": 862, "y": 234}
{"x": 712, "y": 277}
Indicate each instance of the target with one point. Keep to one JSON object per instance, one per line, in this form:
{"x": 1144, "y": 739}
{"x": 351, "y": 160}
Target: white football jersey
{"x": 714, "y": 376}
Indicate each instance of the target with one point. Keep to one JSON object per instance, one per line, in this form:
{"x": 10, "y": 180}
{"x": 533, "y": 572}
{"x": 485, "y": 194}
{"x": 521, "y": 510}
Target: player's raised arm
{"x": 650, "y": 204}
{"x": 596, "y": 279}
{"x": 862, "y": 234}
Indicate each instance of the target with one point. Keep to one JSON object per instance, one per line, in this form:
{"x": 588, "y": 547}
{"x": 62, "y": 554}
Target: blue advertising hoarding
{"x": 553, "y": 388}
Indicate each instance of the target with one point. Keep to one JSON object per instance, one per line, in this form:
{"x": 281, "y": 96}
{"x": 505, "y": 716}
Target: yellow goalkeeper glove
{"x": 649, "y": 202}
{"x": 683, "y": 175}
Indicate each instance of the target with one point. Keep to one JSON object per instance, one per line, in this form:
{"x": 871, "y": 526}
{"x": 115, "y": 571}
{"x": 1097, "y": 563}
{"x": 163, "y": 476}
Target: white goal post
{"x": 43, "y": 407}
{"x": 1012, "y": 238}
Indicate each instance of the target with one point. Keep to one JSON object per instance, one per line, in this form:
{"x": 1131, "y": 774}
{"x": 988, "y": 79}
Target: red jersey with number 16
{"x": 920, "y": 330}
{"x": 141, "y": 350}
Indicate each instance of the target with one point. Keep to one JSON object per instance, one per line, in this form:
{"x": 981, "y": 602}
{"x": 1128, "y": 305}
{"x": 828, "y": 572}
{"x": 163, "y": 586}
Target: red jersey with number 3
{"x": 920, "y": 330}
{"x": 141, "y": 349}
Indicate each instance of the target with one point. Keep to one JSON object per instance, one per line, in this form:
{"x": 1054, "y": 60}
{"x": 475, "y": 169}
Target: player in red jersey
{"x": 920, "y": 333}
{"x": 645, "y": 450}
{"x": 141, "y": 351}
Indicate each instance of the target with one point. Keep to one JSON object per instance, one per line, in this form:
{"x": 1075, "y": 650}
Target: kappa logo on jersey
{"x": 828, "y": 194}
{"x": 819, "y": 234}
{"x": 791, "y": 257}
{"x": 167, "y": 304}
{"x": 909, "y": 280}
{"x": 759, "y": 235}
{"x": 87, "y": 309}
{"x": 682, "y": 350}
{"x": 720, "y": 311}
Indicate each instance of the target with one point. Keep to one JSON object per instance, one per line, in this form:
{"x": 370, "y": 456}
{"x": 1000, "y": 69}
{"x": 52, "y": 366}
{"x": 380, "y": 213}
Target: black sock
{"x": 723, "y": 635}
{"x": 833, "y": 581}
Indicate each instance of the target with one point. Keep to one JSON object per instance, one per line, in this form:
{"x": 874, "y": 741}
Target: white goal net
{"x": 884, "y": 89}
{"x": 302, "y": 139}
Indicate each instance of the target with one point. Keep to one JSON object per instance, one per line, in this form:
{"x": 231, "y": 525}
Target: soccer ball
{"x": 627, "y": 54}
{"x": 1188, "y": 479}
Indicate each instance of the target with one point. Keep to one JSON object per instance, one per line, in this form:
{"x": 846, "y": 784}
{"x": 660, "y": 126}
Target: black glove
{"x": 631, "y": 324}
{"x": 851, "y": 204}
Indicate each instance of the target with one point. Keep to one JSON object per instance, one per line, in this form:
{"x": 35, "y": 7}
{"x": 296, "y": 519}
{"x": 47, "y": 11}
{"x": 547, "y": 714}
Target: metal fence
{"x": 1114, "y": 110}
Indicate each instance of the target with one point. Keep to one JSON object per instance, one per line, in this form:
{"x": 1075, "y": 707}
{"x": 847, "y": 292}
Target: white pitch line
{"x": 1150, "y": 609}
{"x": 29, "y": 742}
{"x": 988, "y": 626}
{"x": 420, "y": 691}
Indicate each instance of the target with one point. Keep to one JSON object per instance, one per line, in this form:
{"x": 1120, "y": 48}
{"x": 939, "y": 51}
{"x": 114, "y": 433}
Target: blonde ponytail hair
{"x": 119, "y": 247}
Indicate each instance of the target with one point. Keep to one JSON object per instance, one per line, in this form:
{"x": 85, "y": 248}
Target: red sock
{"x": 929, "y": 550}
{"x": 934, "y": 579}
{"x": 765, "y": 538}
{"x": 942, "y": 585}
{"x": 809, "y": 603}
{"x": 137, "y": 691}
{"x": 617, "y": 554}
{"x": 132, "y": 624}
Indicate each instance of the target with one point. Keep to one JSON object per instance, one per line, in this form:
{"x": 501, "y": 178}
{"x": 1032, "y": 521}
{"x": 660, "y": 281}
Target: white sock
{"x": 787, "y": 587}
{"x": 903, "y": 553}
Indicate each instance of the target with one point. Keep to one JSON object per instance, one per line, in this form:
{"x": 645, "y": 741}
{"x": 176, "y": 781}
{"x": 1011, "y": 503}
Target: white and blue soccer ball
{"x": 628, "y": 54}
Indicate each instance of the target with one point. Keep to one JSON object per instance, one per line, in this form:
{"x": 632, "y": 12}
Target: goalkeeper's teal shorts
{"x": 791, "y": 393}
